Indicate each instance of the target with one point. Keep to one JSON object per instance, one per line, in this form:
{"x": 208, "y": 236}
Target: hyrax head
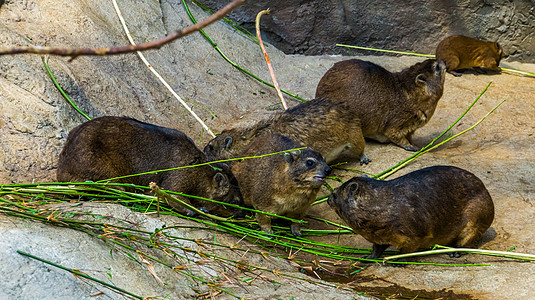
{"x": 232, "y": 142}
{"x": 425, "y": 84}
{"x": 307, "y": 167}
{"x": 223, "y": 187}
{"x": 429, "y": 77}
{"x": 220, "y": 147}
{"x": 493, "y": 56}
{"x": 344, "y": 198}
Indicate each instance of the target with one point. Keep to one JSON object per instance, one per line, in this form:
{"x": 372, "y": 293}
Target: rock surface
{"x": 34, "y": 121}
{"x": 315, "y": 27}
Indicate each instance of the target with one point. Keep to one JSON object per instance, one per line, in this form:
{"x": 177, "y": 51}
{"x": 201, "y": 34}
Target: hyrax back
{"x": 437, "y": 205}
{"x": 108, "y": 147}
{"x": 283, "y": 184}
{"x": 327, "y": 127}
{"x": 390, "y": 106}
{"x": 462, "y": 52}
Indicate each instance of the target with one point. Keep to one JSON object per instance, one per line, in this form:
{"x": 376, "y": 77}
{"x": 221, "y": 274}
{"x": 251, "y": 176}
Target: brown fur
{"x": 281, "y": 184}
{"x": 437, "y": 205}
{"x": 390, "y": 106}
{"x": 462, "y": 52}
{"x": 108, "y": 147}
{"x": 328, "y": 128}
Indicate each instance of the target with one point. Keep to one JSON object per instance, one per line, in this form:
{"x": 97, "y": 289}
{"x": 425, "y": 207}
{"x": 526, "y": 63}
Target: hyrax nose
{"x": 327, "y": 170}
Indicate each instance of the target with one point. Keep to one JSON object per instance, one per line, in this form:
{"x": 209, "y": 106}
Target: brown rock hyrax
{"x": 462, "y": 52}
{"x": 437, "y": 205}
{"x": 390, "y": 106}
{"x": 327, "y": 127}
{"x": 284, "y": 184}
{"x": 108, "y": 147}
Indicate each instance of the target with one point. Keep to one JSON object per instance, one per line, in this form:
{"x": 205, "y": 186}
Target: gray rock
{"x": 314, "y": 27}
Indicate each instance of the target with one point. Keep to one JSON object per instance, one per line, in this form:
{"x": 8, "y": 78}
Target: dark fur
{"x": 108, "y": 147}
{"x": 462, "y": 52}
{"x": 390, "y": 106}
{"x": 326, "y": 127}
{"x": 437, "y": 205}
{"x": 282, "y": 184}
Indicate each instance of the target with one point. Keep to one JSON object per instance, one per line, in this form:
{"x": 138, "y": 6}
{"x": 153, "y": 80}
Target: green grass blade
{"x": 230, "y": 61}
{"x": 61, "y": 90}
{"x": 78, "y": 273}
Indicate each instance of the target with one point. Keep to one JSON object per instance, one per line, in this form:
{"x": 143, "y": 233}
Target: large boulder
{"x": 315, "y": 27}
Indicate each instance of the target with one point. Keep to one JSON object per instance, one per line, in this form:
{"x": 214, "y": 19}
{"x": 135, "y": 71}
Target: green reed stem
{"x": 230, "y": 61}
{"x": 78, "y": 273}
{"x": 519, "y": 72}
{"x": 382, "y": 50}
{"x": 426, "y": 149}
{"x": 425, "y": 55}
{"x": 199, "y": 165}
{"x": 61, "y": 90}
{"x": 443, "y": 142}
{"x": 234, "y": 25}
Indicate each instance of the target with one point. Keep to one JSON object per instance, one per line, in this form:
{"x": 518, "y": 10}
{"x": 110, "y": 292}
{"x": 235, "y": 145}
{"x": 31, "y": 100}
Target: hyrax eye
{"x": 310, "y": 163}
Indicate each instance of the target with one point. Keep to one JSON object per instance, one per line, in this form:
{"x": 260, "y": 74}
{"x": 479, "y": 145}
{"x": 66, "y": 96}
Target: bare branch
{"x": 156, "y": 44}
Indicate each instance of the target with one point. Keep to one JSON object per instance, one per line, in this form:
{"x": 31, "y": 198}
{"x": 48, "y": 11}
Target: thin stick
{"x": 257, "y": 24}
{"x": 523, "y": 256}
{"x": 169, "y": 88}
{"x": 155, "y": 44}
{"x": 78, "y": 273}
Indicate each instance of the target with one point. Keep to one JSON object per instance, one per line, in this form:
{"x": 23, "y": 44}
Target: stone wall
{"x": 314, "y": 27}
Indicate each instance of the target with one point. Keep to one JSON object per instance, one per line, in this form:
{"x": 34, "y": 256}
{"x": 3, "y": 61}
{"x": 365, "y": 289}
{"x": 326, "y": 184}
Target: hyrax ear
{"x": 292, "y": 156}
{"x": 228, "y": 142}
{"x": 352, "y": 188}
{"x": 221, "y": 183}
{"x": 439, "y": 65}
{"x": 500, "y": 49}
{"x": 420, "y": 79}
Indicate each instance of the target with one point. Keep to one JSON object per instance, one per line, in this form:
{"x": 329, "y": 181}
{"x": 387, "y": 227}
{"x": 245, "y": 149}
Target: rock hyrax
{"x": 437, "y": 205}
{"x": 283, "y": 184}
{"x": 108, "y": 147}
{"x": 462, "y": 52}
{"x": 390, "y": 106}
{"x": 327, "y": 127}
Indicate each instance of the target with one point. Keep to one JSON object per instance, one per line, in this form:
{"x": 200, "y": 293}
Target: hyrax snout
{"x": 283, "y": 184}
{"x": 390, "y": 106}
{"x": 437, "y": 205}
{"x": 327, "y": 127}
{"x": 462, "y": 52}
{"x": 109, "y": 147}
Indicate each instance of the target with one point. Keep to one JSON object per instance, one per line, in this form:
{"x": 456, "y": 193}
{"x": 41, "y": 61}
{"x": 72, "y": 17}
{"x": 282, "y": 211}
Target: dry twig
{"x": 156, "y": 44}
{"x": 257, "y": 23}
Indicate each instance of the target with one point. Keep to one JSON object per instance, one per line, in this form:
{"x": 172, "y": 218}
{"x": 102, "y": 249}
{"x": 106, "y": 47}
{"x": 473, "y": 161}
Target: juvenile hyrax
{"x": 327, "y": 127}
{"x": 437, "y": 205}
{"x": 462, "y": 52}
{"x": 283, "y": 184}
{"x": 390, "y": 106}
{"x": 108, "y": 147}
